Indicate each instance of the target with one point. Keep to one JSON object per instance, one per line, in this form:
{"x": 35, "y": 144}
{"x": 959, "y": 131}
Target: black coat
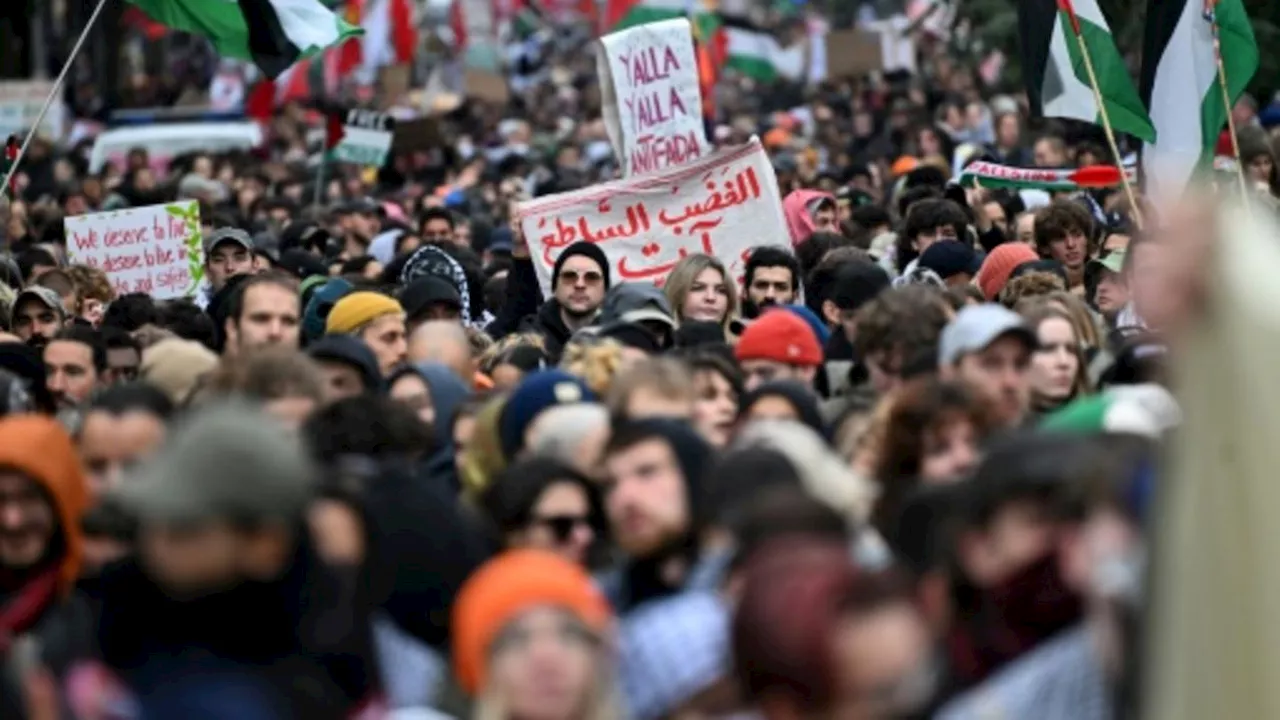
{"x": 525, "y": 311}
{"x": 300, "y": 646}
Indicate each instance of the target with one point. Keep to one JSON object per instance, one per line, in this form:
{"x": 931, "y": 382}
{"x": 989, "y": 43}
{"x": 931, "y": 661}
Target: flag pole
{"x": 1067, "y": 7}
{"x": 1226, "y": 104}
{"x": 324, "y": 160}
{"x": 53, "y": 95}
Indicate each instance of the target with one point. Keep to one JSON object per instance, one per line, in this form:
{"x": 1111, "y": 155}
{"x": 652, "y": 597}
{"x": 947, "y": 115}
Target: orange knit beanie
{"x": 505, "y": 587}
{"x": 1000, "y": 262}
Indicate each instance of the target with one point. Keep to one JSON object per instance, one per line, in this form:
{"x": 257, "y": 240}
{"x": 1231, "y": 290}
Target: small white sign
{"x": 367, "y": 137}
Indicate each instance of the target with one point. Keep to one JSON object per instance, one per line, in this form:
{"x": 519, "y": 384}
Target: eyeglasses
{"x": 591, "y": 277}
{"x": 562, "y": 526}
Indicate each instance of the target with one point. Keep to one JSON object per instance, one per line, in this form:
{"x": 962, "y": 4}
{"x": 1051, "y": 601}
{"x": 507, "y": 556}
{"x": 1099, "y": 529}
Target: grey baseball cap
{"x": 634, "y": 303}
{"x": 226, "y": 461}
{"x": 227, "y": 234}
{"x": 976, "y": 327}
{"x": 43, "y": 295}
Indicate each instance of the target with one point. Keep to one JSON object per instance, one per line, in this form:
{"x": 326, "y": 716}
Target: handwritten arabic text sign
{"x": 723, "y": 205}
{"x": 156, "y": 249}
{"x": 652, "y": 100}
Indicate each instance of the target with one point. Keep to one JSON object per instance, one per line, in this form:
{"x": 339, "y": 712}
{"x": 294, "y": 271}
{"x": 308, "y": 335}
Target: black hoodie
{"x": 299, "y": 646}
{"x": 641, "y": 579}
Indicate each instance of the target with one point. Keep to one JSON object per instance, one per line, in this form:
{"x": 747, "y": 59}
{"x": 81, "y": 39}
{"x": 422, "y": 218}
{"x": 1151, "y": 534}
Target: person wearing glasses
{"x": 579, "y": 280}
{"x": 543, "y": 504}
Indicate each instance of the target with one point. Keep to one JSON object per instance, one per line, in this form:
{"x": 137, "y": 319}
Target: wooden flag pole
{"x": 1067, "y": 7}
{"x": 53, "y": 95}
{"x": 1226, "y": 105}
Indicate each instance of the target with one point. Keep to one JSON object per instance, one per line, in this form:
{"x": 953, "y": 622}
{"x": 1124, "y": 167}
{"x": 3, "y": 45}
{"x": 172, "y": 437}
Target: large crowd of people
{"x": 900, "y": 469}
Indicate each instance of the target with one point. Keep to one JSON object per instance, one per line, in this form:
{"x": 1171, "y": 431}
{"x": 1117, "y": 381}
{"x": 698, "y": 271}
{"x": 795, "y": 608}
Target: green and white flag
{"x": 273, "y": 34}
{"x": 1181, "y": 88}
{"x": 1054, "y": 69}
{"x": 758, "y": 54}
{"x": 992, "y": 176}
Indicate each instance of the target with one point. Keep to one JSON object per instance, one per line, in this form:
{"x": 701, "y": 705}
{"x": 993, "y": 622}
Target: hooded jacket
{"x": 40, "y": 604}
{"x": 799, "y": 216}
{"x": 448, "y": 392}
{"x": 642, "y": 579}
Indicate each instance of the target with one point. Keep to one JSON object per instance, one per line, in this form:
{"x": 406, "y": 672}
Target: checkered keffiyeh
{"x": 1060, "y": 680}
{"x": 672, "y": 649}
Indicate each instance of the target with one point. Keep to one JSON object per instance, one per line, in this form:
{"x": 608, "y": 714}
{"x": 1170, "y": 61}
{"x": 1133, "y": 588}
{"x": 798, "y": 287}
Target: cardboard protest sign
{"x": 851, "y": 53}
{"x": 157, "y": 249}
{"x": 20, "y": 103}
{"x": 724, "y": 205}
{"x": 652, "y": 100}
{"x": 366, "y": 139}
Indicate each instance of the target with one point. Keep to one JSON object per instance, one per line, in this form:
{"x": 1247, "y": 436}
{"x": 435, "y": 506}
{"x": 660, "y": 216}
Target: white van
{"x": 165, "y": 141}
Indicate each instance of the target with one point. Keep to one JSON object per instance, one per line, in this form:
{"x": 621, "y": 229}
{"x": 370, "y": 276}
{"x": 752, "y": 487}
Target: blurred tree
{"x": 995, "y": 25}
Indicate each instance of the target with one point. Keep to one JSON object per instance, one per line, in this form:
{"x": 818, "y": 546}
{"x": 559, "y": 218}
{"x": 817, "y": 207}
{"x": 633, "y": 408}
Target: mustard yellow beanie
{"x": 359, "y": 309}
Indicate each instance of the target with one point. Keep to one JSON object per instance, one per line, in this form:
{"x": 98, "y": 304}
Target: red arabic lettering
{"x": 567, "y": 233}
{"x": 629, "y": 274}
{"x": 742, "y": 188}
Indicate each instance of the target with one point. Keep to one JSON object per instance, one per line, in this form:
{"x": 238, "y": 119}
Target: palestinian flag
{"x": 753, "y": 52}
{"x": 1180, "y": 83}
{"x": 1054, "y": 68}
{"x": 622, "y": 14}
{"x": 991, "y": 175}
{"x": 273, "y": 34}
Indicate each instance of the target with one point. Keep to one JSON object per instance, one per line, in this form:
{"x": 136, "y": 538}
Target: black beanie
{"x": 588, "y": 249}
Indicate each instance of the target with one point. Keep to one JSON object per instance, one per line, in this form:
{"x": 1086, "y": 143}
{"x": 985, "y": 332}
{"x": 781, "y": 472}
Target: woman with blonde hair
{"x": 700, "y": 288}
{"x": 1084, "y": 319}
{"x": 532, "y": 638}
{"x": 596, "y": 361}
{"x": 1059, "y": 371}
{"x": 483, "y": 460}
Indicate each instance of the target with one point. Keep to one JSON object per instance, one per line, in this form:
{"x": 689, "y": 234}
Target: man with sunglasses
{"x": 578, "y": 285}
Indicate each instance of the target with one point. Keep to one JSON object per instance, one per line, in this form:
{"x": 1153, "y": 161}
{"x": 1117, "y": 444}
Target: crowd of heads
{"x": 907, "y": 452}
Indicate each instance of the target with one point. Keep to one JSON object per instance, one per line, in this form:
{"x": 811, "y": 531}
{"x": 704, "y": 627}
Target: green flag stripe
{"x": 1239, "y": 61}
{"x": 642, "y": 14}
{"x": 299, "y": 28}
{"x": 1124, "y": 107}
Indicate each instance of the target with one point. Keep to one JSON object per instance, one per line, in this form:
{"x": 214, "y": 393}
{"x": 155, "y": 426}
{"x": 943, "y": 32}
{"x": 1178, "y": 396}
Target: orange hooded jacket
{"x": 38, "y": 447}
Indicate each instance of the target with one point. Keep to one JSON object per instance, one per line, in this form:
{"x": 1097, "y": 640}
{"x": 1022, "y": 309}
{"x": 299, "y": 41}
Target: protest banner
{"x": 20, "y": 103}
{"x": 157, "y": 249}
{"x": 723, "y": 205}
{"x": 366, "y": 138}
{"x": 651, "y": 97}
